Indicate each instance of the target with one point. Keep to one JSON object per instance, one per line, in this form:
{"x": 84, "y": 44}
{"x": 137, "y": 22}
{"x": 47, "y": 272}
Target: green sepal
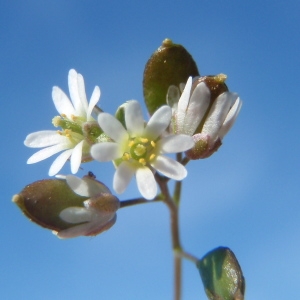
{"x": 170, "y": 64}
{"x": 222, "y": 275}
{"x": 120, "y": 114}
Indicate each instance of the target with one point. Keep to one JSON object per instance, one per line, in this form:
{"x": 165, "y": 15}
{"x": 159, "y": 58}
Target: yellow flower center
{"x": 141, "y": 150}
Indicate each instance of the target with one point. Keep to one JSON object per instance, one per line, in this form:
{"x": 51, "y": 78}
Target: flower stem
{"x": 176, "y": 245}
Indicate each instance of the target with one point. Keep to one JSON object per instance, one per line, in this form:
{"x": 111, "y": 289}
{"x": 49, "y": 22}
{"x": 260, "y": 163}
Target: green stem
{"x": 176, "y": 245}
{"x": 131, "y": 202}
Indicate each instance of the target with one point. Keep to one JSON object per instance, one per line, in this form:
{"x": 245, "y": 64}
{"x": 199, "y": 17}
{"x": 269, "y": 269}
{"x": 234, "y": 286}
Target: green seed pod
{"x": 170, "y": 64}
{"x": 221, "y": 275}
{"x": 43, "y": 200}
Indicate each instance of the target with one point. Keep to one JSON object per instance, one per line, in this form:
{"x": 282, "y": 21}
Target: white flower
{"x": 98, "y": 213}
{"x": 74, "y": 115}
{"x": 137, "y": 150}
{"x": 195, "y": 113}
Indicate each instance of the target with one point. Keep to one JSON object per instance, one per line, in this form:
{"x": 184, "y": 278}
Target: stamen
{"x": 152, "y": 156}
{"x": 131, "y": 143}
{"x": 126, "y": 156}
{"x": 144, "y": 140}
{"x": 153, "y": 144}
{"x": 142, "y": 161}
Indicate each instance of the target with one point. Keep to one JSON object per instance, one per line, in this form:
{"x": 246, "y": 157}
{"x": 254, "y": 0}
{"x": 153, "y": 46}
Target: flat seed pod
{"x": 170, "y": 64}
{"x": 43, "y": 200}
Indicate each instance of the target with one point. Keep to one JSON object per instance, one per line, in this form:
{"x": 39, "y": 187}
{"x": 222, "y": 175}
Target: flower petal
{"x": 76, "y": 157}
{"x": 74, "y": 92}
{"x": 146, "y": 183}
{"x": 95, "y": 227}
{"x": 93, "y": 101}
{"x": 62, "y": 103}
{"x": 75, "y": 215}
{"x": 122, "y": 177}
{"x": 218, "y": 113}
{"x": 82, "y": 95}
{"x": 106, "y": 151}
{"x": 43, "y": 138}
{"x": 159, "y": 121}
{"x": 134, "y": 118}
{"x": 197, "y": 107}
{"x": 78, "y": 185}
{"x": 176, "y": 143}
{"x": 173, "y": 95}
{"x": 59, "y": 162}
{"x": 183, "y": 104}
{"x": 46, "y": 152}
{"x": 231, "y": 117}
{"x": 112, "y": 127}
{"x": 169, "y": 167}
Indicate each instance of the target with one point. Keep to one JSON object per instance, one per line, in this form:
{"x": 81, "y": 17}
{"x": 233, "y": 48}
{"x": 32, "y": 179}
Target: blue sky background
{"x": 246, "y": 196}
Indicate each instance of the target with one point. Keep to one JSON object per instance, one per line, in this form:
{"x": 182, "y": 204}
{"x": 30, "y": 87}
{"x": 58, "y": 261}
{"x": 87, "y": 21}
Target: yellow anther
{"x": 64, "y": 115}
{"x": 144, "y": 140}
{"x": 126, "y": 156}
{"x": 68, "y": 133}
{"x": 131, "y": 143}
{"x": 142, "y": 161}
{"x": 220, "y": 78}
{"x": 153, "y": 144}
{"x": 152, "y": 156}
{"x": 74, "y": 118}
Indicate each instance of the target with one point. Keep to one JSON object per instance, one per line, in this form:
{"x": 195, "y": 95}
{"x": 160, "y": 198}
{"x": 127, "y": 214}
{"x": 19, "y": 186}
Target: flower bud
{"x": 170, "y": 64}
{"x": 221, "y": 275}
{"x": 69, "y": 206}
{"x": 205, "y": 110}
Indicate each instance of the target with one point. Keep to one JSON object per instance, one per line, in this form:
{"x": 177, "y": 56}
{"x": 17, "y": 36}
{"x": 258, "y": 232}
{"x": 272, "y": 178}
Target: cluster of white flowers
{"x": 135, "y": 147}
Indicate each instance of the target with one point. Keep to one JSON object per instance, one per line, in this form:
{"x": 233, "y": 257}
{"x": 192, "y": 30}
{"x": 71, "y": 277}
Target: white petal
{"x": 62, "y": 103}
{"x": 74, "y": 92}
{"x": 173, "y": 95}
{"x": 78, "y": 185}
{"x": 231, "y": 117}
{"x": 76, "y": 157}
{"x": 95, "y": 187}
{"x": 217, "y": 114}
{"x": 94, "y": 100}
{"x": 122, "y": 177}
{"x": 82, "y": 94}
{"x": 112, "y": 127}
{"x": 197, "y": 107}
{"x": 91, "y": 228}
{"x": 176, "y": 143}
{"x": 46, "y": 152}
{"x": 159, "y": 121}
{"x": 169, "y": 167}
{"x": 146, "y": 183}
{"x": 75, "y": 215}
{"x": 185, "y": 96}
{"x": 43, "y": 138}
{"x": 134, "y": 118}
{"x": 59, "y": 162}
{"x": 106, "y": 151}
{"x": 183, "y": 104}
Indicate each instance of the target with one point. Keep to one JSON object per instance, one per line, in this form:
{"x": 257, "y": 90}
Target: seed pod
{"x": 170, "y": 64}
